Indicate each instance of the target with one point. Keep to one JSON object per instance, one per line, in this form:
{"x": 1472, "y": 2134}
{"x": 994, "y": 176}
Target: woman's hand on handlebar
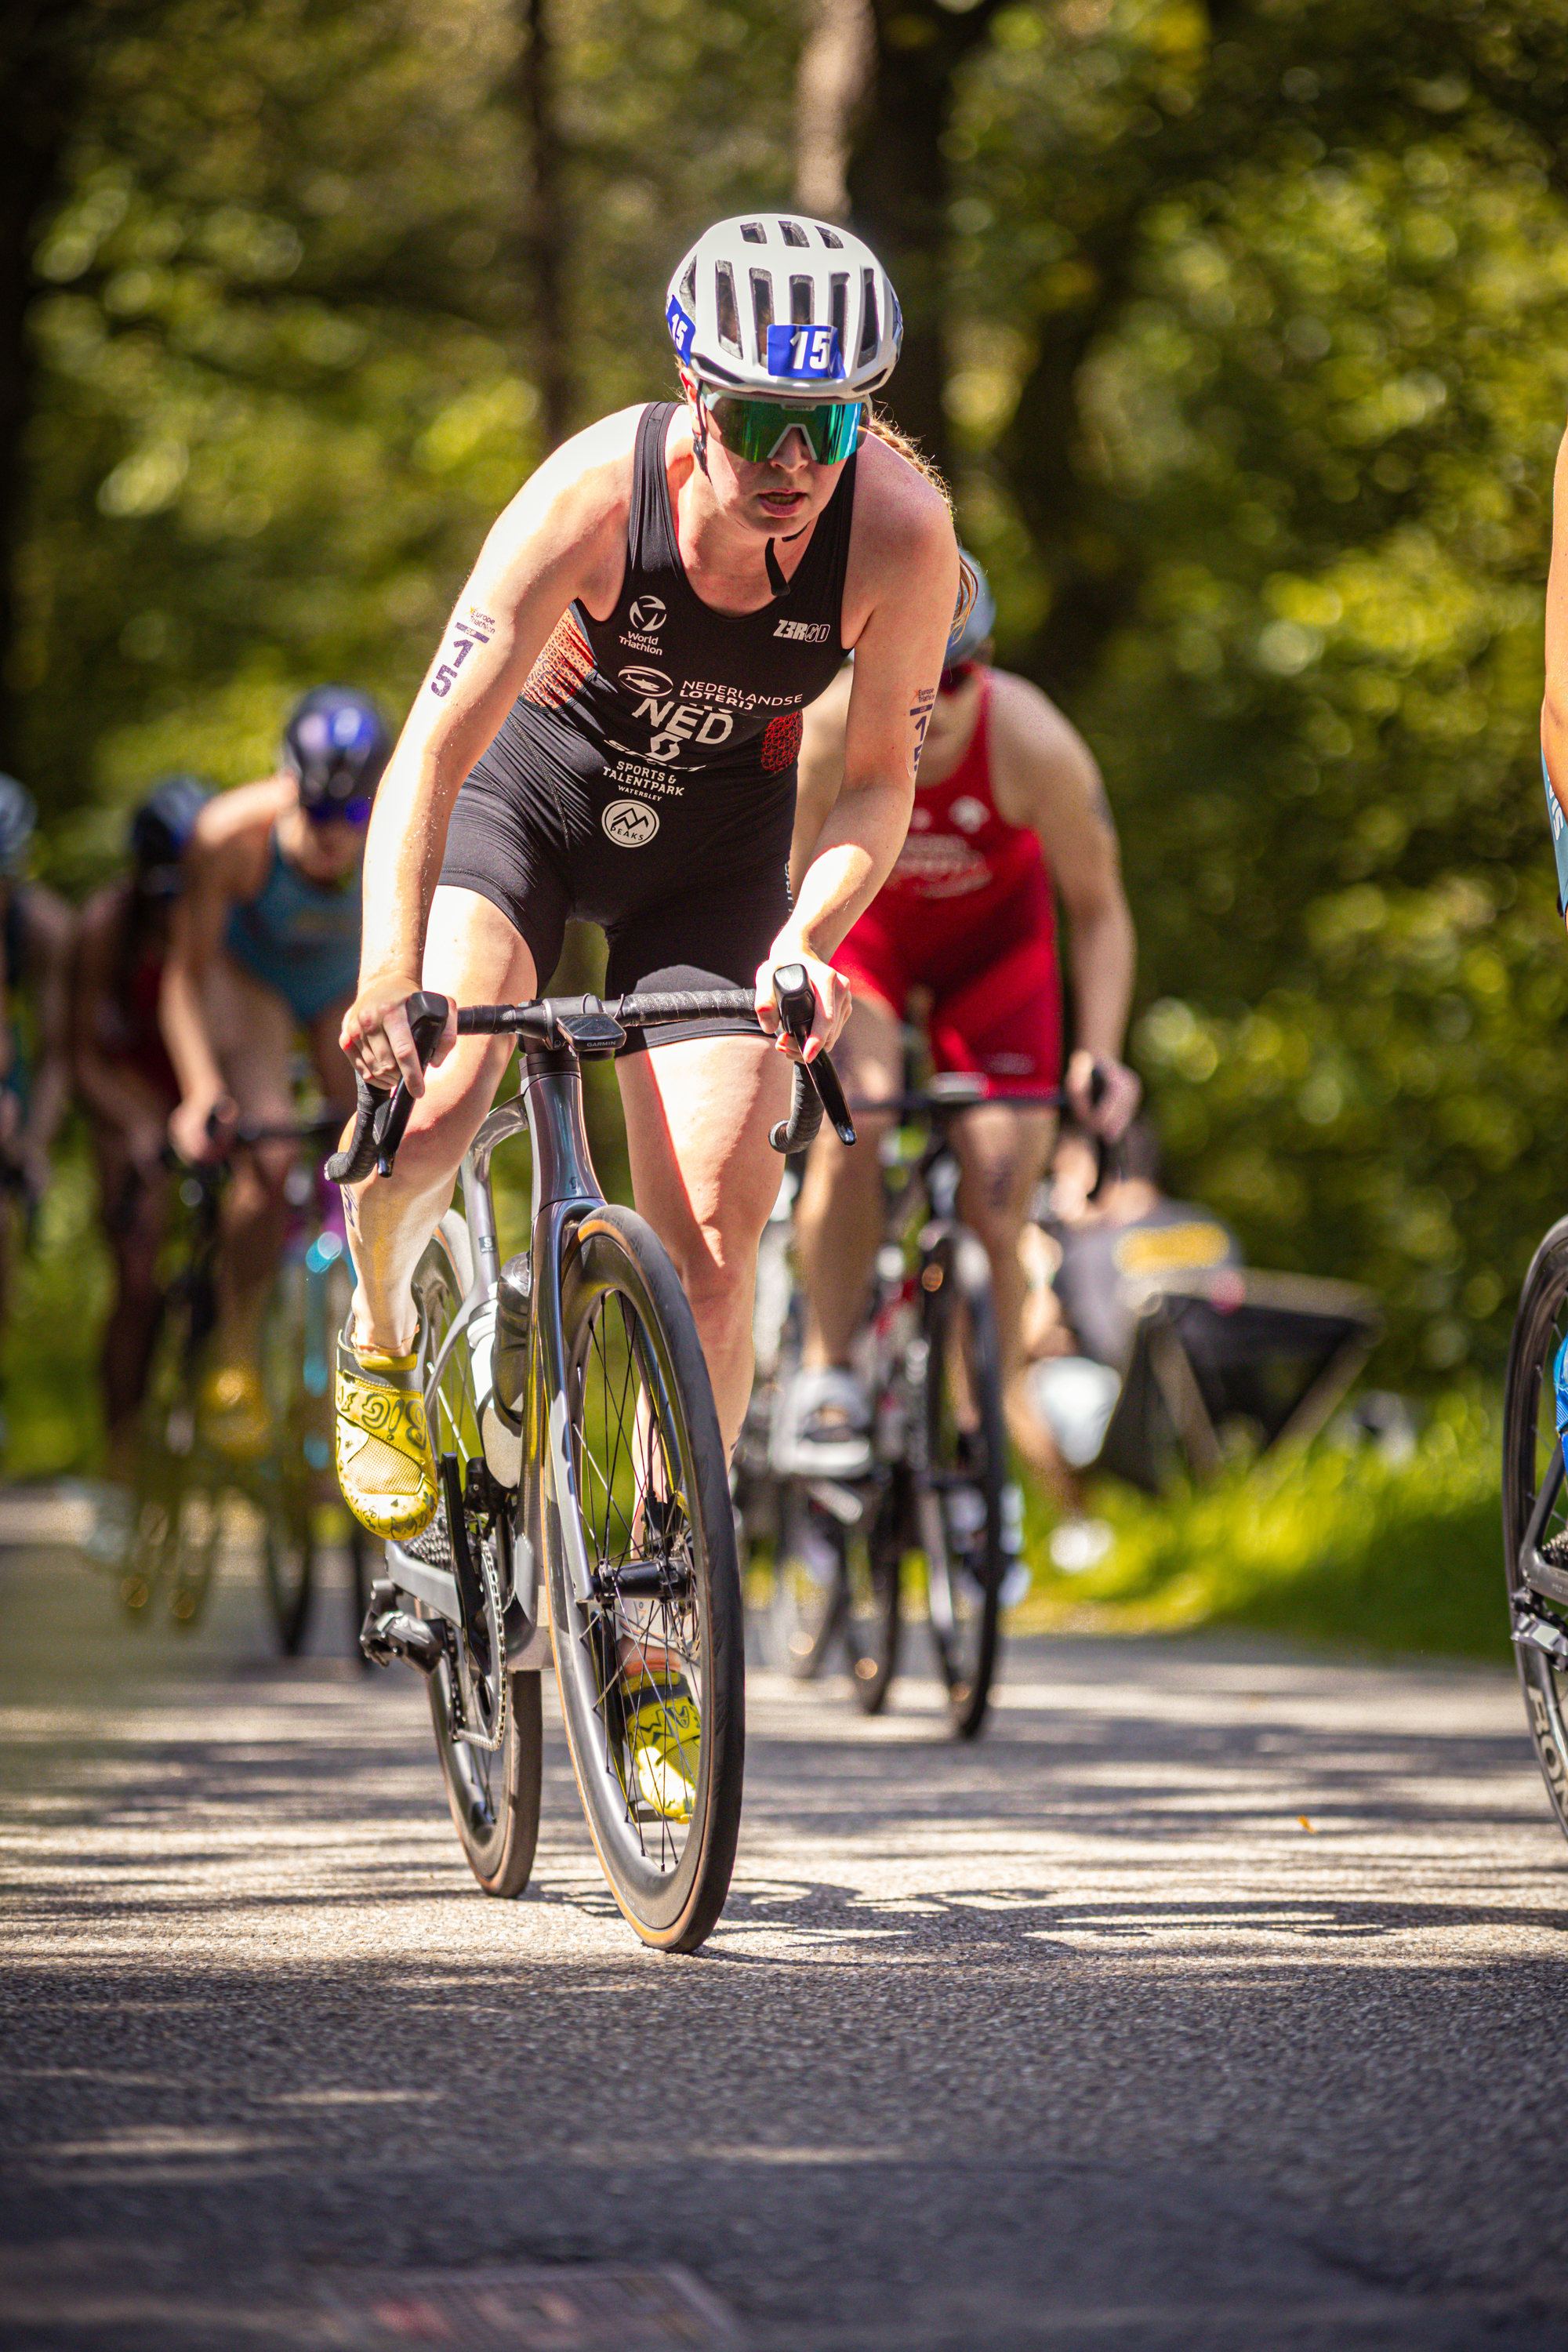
{"x": 377, "y": 1039}
{"x": 1104, "y": 1093}
{"x": 830, "y": 989}
{"x": 201, "y": 1129}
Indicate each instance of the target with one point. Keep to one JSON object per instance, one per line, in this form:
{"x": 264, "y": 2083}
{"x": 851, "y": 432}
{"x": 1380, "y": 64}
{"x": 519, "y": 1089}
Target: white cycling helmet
{"x": 781, "y": 305}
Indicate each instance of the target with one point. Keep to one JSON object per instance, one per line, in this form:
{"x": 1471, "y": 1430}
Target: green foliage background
{"x": 1254, "y": 318}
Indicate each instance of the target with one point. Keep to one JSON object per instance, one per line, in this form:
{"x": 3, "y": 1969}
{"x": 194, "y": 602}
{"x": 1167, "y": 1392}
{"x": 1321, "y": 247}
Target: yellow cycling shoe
{"x": 385, "y": 1466}
{"x": 664, "y": 1738}
{"x": 232, "y": 1413}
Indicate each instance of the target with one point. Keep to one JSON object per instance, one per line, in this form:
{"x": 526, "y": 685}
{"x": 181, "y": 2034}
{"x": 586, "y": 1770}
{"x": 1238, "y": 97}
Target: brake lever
{"x": 796, "y": 1001}
{"x": 1106, "y": 1155}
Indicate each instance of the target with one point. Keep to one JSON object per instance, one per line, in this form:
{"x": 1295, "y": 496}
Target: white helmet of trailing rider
{"x": 776, "y": 305}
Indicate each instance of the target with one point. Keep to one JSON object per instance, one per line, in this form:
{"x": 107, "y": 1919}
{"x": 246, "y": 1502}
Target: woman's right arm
{"x": 99, "y": 1082}
{"x": 196, "y": 931}
{"x": 563, "y": 536}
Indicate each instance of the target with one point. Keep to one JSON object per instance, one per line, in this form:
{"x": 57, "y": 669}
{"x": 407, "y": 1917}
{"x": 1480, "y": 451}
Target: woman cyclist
{"x": 38, "y": 931}
{"x": 265, "y": 945}
{"x": 610, "y": 727}
{"x": 127, "y": 1081}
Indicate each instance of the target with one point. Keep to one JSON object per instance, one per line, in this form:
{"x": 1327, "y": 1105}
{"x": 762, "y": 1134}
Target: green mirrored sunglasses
{"x": 757, "y": 429}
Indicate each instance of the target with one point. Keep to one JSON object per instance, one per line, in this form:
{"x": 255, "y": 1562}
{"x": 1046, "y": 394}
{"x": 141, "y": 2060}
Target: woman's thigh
{"x": 475, "y": 956}
{"x": 703, "y": 1172}
{"x": 253, "y": 1033}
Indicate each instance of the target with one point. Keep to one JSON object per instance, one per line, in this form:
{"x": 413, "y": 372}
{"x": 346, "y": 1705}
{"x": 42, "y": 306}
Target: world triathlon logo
{"x": 631, "y": 824}
{"x": 647, "y": 615}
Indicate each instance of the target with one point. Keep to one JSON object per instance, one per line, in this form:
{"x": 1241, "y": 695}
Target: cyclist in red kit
{"x": 1009, "y": 813}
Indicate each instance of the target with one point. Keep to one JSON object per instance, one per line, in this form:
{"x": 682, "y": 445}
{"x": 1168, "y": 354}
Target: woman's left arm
{"x": 912, "y": 589}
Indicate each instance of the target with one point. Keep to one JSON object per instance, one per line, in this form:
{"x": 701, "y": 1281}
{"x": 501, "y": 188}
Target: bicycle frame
{"x": 565, "y": 1189}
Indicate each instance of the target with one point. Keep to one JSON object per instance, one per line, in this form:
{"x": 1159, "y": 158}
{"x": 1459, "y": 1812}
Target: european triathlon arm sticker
{"x": 1559, "y": 824}
{"x": 811, "y": 354}
{"x": 682, "y": 329}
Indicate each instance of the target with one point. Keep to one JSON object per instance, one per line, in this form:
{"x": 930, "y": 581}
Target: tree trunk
{"x": 544, "y": 221}
{"x": 835, "y": 74}
{"x": 49, "y": 43}
{"x": 897, "y": 188}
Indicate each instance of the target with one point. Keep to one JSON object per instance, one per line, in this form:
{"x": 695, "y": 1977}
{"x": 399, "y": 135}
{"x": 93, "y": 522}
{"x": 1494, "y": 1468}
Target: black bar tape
{"x": 804, "y": 1117}
{"x": 357, "y": 1157}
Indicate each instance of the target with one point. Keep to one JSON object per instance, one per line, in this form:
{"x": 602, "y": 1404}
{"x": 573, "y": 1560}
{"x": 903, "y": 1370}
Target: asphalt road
{"x": 1078, "y": 2038}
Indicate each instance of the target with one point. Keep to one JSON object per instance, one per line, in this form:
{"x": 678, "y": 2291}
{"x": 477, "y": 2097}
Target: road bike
{"x": 179, "y": 1478}
{"x": 584, "y": 1508}
{"x": 828, "y": 1555}
{"x": 1535, "y": 1510}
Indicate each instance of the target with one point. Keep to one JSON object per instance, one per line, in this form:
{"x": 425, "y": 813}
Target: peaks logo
{"x": 647, "y": 615}
{"x": 630, "y": 824}
{"x": 645, "y": 682}
{"x": 805, "y": 632}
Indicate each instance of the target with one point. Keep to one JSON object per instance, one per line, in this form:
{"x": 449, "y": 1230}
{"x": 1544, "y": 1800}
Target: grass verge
{"x": 1327, "y": 1545}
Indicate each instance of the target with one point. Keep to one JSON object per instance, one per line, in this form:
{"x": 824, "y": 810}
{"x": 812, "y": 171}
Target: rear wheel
{"x": 809, "y": 1595}
{"x": 173, "y": 1518}
{"x": 872, "y": 1557}
{"x": 644, "y": 1590}
{"x": 959, "y": 1492}
{"x": 1535, "y": 1511}
{"x": 488, "y": 1720}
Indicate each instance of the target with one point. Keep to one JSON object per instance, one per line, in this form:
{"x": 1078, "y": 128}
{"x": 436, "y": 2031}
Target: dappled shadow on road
{"x": 1205, "y": 1984}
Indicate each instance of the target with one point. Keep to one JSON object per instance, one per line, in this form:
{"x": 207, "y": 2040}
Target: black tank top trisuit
{"x": 645, "y": 777}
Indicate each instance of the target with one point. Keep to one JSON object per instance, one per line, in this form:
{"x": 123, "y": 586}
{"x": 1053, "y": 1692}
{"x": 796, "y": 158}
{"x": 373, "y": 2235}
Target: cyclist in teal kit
{"x": 264, "y": 946}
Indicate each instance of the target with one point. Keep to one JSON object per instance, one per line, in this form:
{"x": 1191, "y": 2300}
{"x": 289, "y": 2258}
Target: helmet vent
{"x": 869, "y": 331}
{"x": 753, "y": 233}
{"x": 800, "y": 302}
{"x": 762, "y": 306}
{"x": 839, "y": 304}
{"x": 729, "y": 315}
{"x": 829, "y": 236}
{"x": 689, "y": 291}
{"x": 793, "y": 233}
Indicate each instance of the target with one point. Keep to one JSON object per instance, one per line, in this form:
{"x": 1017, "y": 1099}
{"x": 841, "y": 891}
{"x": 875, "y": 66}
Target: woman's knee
{"x": 717, "y": 1276}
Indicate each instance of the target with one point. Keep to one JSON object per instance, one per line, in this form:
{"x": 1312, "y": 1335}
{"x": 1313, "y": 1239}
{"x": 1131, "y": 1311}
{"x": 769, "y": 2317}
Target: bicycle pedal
{"x": 391, "y": 1632}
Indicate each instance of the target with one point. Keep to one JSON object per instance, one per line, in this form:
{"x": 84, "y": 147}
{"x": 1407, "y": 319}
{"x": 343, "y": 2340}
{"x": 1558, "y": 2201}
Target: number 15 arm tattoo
{"x": 469, "y": 629}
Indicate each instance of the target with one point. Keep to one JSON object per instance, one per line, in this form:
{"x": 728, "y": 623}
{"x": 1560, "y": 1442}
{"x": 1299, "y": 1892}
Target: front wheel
{"x": 959, "y": 1489}
{"x": 487, "y": 1721}
{"x": 1535, "y": 1511}
{"x": 645, "y": 1594}
{"x": 286, "y": 1492}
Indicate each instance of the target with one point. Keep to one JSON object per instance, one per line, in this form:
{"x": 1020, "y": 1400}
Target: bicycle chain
{"x": 472, "y": 1736}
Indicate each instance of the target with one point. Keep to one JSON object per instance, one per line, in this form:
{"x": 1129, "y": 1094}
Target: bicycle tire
{"x": 357, "y": 1550}
{"x": 810, "y": 1586}
{"x": 285, "y": 1488}
{"x": 637, "y": 1386}
{"x": 173, "y": 1521}
{"x": 872, "y": 1559}
{"x": 1532, "y": 1450}
{"x": 964, "y": 1470}
{"x": 494, "y": 1794}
